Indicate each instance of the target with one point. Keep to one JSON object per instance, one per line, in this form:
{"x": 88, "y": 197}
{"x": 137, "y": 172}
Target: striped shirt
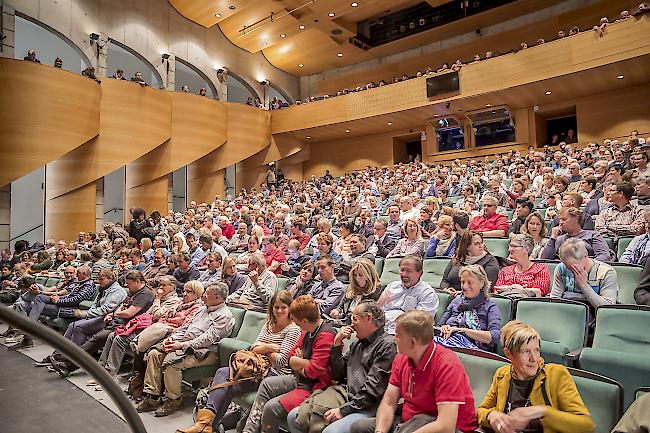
{"x": 537, "y": 276}
{"x": 286, "y": 339}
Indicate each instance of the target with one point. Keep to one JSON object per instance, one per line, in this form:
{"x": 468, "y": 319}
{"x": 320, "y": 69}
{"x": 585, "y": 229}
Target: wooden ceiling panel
{"x": 318, "y": 53}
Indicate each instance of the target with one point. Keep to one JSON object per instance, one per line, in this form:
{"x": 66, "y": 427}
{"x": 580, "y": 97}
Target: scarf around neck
{"x": 472, "y": 260}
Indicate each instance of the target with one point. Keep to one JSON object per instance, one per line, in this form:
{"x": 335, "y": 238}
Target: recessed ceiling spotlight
{"x": 232, "y": 7}
{"x": 301, "y": 27}
{"x": 488, "y": 105}
{"x": 620, "y": 77}
{"x": 390, "y": 123}
{"x": 435, "y": 115}
{"x": 308, "y": 137}
{"x": 340, "y": 54}
{"x": 264, "y": 43}
{"x": 548, "y": 92}
{"x": 217, "y": 15}
{"x": 300, "y": 65}
{"x": 354, "y": 4}
{"x": 331, "y": 14}
{"x": 282, "y": 35}
{"x": 347, "y": 131}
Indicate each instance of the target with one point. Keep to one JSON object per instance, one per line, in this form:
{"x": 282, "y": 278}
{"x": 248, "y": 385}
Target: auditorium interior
{"x": 283, "y": 137}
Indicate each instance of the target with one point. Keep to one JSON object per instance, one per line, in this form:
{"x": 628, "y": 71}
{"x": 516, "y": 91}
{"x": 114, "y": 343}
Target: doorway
{"x": 407, "y": 148}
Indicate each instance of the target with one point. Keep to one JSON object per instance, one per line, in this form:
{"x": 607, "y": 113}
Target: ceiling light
{"x": 308, "y": 137}
{"x": 620, "y": 77}
{"x": 282, "y": 35}
{"x": 354, "y": 4}
{"x": 301, "y": 27}
{"x": 340, "y": 54}
{"x": 488, "y": 105}
{"x": 217, "y": 15}
{"x": 347, "y": 131}
{"x": 548, "y": 92}
{"x": 300, "y": 65}
{"x": 435, "y": 115}
{"x": 390, "y": 123}
{"x": 331, "y": 14}
{"x": 264, "y": 43}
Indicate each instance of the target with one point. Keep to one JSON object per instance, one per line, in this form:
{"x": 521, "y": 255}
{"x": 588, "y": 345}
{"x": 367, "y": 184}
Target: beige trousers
{"x": 168, "y": 367}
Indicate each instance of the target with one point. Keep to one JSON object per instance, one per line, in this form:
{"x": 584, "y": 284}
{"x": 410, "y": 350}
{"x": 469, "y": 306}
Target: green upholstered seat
{"x": 480, "y": 368}
{"x": 453, "y": 199}
{"x": 497, "y": 246}
{"x": 622, "y": 245}
{"x": 390, "y": 272}
{"x": 247, "y": 335}
{"x": 40, "y": 280}
{"x": 433, "y": 270}
{"x": 379, "y": 265}
{"x": 621, "y": 347}
{"x": 282, "y": 282}
{"x": 627, "y": 277}
{"x": 561, "y": 324}
{"x": 239, "y": 318}
{"x": 444, "y": 299}
{"x": 602, "y": 396}
{"x": 52, "y": 281}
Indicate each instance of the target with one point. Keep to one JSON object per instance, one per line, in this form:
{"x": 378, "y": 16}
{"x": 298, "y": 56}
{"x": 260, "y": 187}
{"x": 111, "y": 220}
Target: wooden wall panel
{"x": 342, "y": 156}
{"x": 71, "y": 213}
{"x": 198, "y": 126}
{"x": 149, "y": 196}
{"x": 584, "y": 17}
{"x": 248, "y": 134}
{"x": 624, "y": 40}
{"x": 614, "y": 115}
{"x": 44, "y": 114}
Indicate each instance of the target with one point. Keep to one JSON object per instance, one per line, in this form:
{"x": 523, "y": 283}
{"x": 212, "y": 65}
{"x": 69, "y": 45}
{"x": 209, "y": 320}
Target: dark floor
{"x": 32, "y": 399}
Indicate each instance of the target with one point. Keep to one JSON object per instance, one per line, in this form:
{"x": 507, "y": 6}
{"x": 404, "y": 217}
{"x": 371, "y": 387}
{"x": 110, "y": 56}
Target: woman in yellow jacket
{"x": 530, "y": 396}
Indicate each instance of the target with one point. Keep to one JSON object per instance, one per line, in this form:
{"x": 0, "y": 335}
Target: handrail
{"x": 79, "y": 357}
{"x": 23, "y": 234}
{"x": 114, "y": 209}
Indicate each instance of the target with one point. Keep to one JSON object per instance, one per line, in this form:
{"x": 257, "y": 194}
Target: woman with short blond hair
{"x": 531, "y": 396}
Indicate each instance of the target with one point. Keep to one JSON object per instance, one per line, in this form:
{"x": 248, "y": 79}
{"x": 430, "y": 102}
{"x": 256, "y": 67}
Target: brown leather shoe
{"x": 148, "y": 404}
{"x": 169, "y": 407}
{"x": 204, "y": 418}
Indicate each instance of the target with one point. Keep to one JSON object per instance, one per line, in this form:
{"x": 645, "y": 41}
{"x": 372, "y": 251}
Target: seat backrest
{"x": 239, "y": 318}
{"x": 282, "y": 283}
{"x": 623, "y": 329}
{"x": 610, "y": 243}
{"x": 497, "y": 246}
{"x": 551, "y": 267}
{"x": 379, "y": 264}
{"x": 602, "y": 396}
{"x": 622, "y": 245}
{"x": 554, "y": 320}
{"x": 480, "y": 370}
{"x": 51, "y": 282}
{"x": 542, "y": 212}
{"x": 390, "y": 272}
{"x": 444, "y": 299}
{"x": 40, "y": 280}
{"x": 251, "y": 326}
{"x": 627, "y": 277}
{"x": 433, "y": 270}
{"x": 505, "y": 308}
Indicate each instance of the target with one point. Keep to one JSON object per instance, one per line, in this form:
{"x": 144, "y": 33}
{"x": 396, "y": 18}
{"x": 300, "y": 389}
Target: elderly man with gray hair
{"x": 259, "y": 287}
{"x": 582, "y": 278}
{"x": 490, "y": 223}
{"x": 52, "y": 305}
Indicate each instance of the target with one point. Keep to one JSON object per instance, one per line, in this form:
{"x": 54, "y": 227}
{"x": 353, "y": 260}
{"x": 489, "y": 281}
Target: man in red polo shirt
{"x": 431, "y": 380}
{"x": 490, "y": 223}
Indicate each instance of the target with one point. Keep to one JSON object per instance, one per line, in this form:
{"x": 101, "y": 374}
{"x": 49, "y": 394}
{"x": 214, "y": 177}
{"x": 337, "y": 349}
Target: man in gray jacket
{"x": 186, "y": 347}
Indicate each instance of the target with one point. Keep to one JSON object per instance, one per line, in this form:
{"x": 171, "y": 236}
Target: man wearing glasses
{"x": 490, "y": 223}
{"x": 621, "y": 219}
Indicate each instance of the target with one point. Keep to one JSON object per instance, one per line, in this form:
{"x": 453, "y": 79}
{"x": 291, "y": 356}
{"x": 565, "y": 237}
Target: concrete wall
{"x": 152, "y": 28}
{"x": 28, "y": 207}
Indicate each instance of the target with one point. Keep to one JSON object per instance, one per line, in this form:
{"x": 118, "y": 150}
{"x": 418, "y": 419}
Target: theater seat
{"x": 561, "y": 324}
{"x": 390, "y": 272}
{"x": 602, "y": 396}
{"x": 480, "y": 368}
{"x": 282, "y": 283}
{"x": 40, "y": 280}
{"x": 379, "y": 265}
{"x": 51, "y": 282}
{"x": 621, "y": 347}
{"x": 628, "y": 277}
{"x": 239, "y": 319}
{"x": 550, "y": 265}
{"x": 444, "y": 299}
{"x": 247, "y": 335}
{"x": 622, "y": 245}
{"x": 433, "y": 270}
{"x": 497, "y": 246}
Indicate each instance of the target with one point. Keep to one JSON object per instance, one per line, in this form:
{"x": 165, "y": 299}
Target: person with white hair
{"x": 582, "y": 278}
{"x": 259, "y": 287}
{"x": 490, "y": 223}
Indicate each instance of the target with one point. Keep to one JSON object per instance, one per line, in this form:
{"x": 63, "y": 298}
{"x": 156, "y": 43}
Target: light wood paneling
{"x": 503, "y": 42}
{"x": 152, "y": 195}
{"x": 513, "y": 79}
{"x": 44, "y": 114}
{"x": 71, "y": 213}
{"x": 248, "y": 134}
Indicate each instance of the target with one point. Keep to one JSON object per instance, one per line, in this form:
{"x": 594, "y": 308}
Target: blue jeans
{"x": 340, "y": 426}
